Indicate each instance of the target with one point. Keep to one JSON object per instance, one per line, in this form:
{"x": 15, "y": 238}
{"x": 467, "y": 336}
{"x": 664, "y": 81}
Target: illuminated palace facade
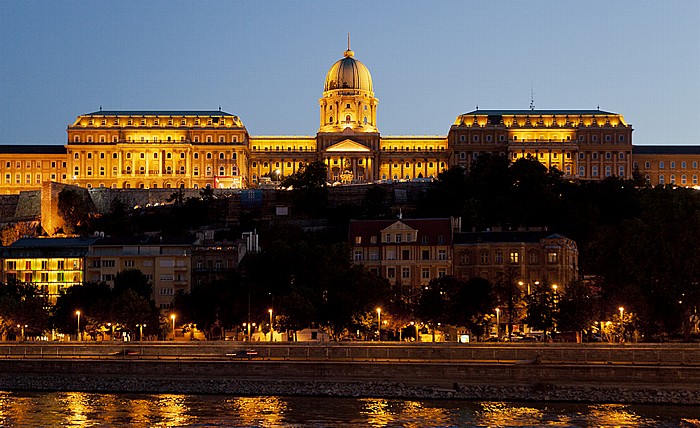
{"x": 195, "y": 149}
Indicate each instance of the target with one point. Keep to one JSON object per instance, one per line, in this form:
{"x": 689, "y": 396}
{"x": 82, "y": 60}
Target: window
{"x": 425, "y": 255}
{"x": 390, "y": 255}
{"x": 391, "y": 272}
{"x": 128, "y": 263}
{"x": 608, "y": 171}
{"x": 499, "y": 257}
{"x": 683, "y": 179}
{"x": 695, "y": 165}
{"x": 357, "y": 256}
{"x": 594, "y": 155}
{"x": 484, "y": 258}
{"x": 673, "y": 165}
{"x": 647, "y": 165}
{"x": 621, "y": 155}
{"x": 534, "y": 259}
{"x": 425, "y": 273}
{"x": 514, "y": 257}
{"x": 621, "y": 171}
{"x": 405, "y": 254}
{"x": 552, "y": 257}
{"x": 661, "y": 165}
{"x": 594, "y": 171}
{"x": 608, "y": 155}
{"x": 661, "y": 179}
{"x": 405, "y": 272}
{"x": 695, "y": 179}
{"x": 399, "y": 238}
{"x": 673, "y": 179}
{"x": 581, "y": 171}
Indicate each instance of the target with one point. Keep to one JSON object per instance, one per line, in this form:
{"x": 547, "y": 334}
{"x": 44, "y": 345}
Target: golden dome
{"x": 348, "y": 73}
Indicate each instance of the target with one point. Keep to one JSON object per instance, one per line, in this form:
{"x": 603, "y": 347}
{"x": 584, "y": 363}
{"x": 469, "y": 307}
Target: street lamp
{"x": 78, "y": 314}
{"x": 498, "y": 323}
{"x": 140, "y": 326}
{"x": 379, "y": 323}
{"x": 622, "y": 324}
{"x": 272, "y": 331}
{"x": 172, "y": 317}
{"x": 22, "y": 327}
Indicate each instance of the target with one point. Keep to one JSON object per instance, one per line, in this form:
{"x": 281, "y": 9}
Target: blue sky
{"x": 430, "y": 61}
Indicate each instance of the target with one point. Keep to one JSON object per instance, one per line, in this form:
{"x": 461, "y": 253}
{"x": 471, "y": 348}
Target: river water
{"x": 79, "y": 409}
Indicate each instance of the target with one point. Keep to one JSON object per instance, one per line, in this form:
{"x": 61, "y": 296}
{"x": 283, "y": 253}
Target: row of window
{"x": 154, "y": 139}
{"x": 33, "y": 265}
{"x": 156, "y": 121}
{"x": 514, "y": 257}
{"x": 608, "y": 171}
{"x": 28, "y": 178}
{"x": 406, "y": 273}
{"x": 672, "y": 165}
{"x": 502, "y": 138}
{"x": 142, "y": 171}
{"x": 142, "y": 155}
{"x": 672, "y": 179}
{"x": 28, "y": 164}
{"x": 391, "y": 254}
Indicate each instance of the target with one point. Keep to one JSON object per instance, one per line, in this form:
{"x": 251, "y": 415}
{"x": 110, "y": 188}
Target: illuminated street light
{"x": 140, "y": 326}
{"x": 172, "y": 317}
{"x": 622, "y": 324}
{"x": 272, "y": 337}
{"x": 22, "y": 327}
{"x": 78, "y": 314}
{"x": 498, "y": 323}
{"x": 379, "y": 323}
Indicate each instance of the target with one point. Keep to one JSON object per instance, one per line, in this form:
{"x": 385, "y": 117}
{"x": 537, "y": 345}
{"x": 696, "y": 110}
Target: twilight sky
{"x": 266, "y": 61}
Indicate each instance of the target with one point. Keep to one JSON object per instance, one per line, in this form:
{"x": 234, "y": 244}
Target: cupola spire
{"x": 349, "y": 53}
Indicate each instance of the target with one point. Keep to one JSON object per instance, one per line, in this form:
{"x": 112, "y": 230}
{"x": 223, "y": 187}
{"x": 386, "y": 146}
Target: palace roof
{"x": 467, "y": 238}
{"x": 666, "y": 150}
{"x": 46, "y": 149}
{"x": 538, "y": 112}
{"x": 159, "y": 113}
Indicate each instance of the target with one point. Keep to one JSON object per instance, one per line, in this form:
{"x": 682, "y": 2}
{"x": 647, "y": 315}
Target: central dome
{"x": 348, "y": 73}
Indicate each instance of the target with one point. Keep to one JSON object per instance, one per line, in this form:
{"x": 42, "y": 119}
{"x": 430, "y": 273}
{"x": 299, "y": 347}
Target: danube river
{"x": 79, "y": 409}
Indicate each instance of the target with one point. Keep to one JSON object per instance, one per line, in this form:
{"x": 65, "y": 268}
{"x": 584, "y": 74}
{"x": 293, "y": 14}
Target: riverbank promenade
{"x": 649, "y": 373}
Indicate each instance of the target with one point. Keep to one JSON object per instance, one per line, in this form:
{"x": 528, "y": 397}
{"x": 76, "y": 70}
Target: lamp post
{"x": 498, "y": 323}
{"x": 622, "y": 324}
{"x": 140, "y": 326}
{"x": 379, "y": 323}
{"x": 78, "y": 314}
{"x": 272, "y": 331}
{"x": 172, "y": 317}
{"x": 22, "y": 327}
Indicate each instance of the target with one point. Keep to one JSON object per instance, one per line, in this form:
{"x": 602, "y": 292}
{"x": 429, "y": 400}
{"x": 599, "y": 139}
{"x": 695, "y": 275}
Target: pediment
{"x": 347, "y": 146}
{"x": 398, "y": 226}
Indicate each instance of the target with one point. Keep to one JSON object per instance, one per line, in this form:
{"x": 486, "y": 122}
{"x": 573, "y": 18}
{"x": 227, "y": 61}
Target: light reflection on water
{"x": 77, "y": 409}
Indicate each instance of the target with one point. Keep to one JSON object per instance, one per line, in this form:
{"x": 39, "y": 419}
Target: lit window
{"x": 514, "y": 257}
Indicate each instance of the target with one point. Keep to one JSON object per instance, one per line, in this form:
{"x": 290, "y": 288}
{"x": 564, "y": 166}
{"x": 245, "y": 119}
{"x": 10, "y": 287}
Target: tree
{"x": 472, "y": 305}
{"x": 508, "y": 296}
{"x": 434, "y": 301}
{"x": 542, "y": 308}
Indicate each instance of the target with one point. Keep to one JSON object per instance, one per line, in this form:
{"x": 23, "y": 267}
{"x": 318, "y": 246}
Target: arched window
{"x": 683, "y": 179}
{"x": 114, "y": 171}
{"x": 128, "y": 169}
{"x": 76, "y": 155}
{"x": 365, "y": 120}
{"x": 89, "y": 156}
{"x": 195, "y": 172}
{"x": 347, "y": 119}
{"x": 142, "y": 170}
{"x": 222, "y": 170}
{"x": 168, "y": 170}
{"x": 661, "y": 179}
{"x": 221, "y": 155}
{"x": 102, "y": 171}
{"x": 695, "y": 179}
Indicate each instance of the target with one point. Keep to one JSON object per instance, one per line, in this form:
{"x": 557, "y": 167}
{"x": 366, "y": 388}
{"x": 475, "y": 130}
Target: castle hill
{"x": 523, "y": 247}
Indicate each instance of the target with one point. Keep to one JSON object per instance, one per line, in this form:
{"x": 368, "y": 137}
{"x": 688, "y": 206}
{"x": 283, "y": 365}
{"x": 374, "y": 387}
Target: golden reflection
{"x": 264, "y": 411}
{"x": 500, "y": 414}
{"x": 613, "y": 415}
{"x": 380, "y": 412}
{"x": 76, "y": 405}
{"x": 172, "y": 409}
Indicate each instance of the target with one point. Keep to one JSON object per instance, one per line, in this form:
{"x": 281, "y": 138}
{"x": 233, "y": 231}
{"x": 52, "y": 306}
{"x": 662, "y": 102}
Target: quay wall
{"x": 204, "y": 369}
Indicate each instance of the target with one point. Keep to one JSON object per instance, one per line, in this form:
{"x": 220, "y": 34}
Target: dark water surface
{"x": 78, "y": 409}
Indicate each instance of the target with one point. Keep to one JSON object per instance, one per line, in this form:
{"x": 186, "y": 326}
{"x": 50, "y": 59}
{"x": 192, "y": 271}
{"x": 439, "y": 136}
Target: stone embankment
{"x": 536, "y": 392}
{"x": 559, "y": 372}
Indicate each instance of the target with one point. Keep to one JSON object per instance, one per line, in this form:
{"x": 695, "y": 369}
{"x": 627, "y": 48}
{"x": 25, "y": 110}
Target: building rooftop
{"x": 53, "y": 149}
{"x": 437, "y": 231}
{"x": 143, "y": 240}
{"x": 48, "y": 247}
{"x": 666, "y": 150}
{"x": 539, "y": 112}
{"x": 506, "y": 236}
{"x": 159, "y": 113}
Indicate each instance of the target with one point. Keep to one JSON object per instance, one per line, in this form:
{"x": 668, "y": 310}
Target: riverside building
{"x": 195, "y": 149}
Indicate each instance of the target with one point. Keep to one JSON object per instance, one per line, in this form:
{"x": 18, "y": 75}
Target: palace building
{"x": 195, "y": 149}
